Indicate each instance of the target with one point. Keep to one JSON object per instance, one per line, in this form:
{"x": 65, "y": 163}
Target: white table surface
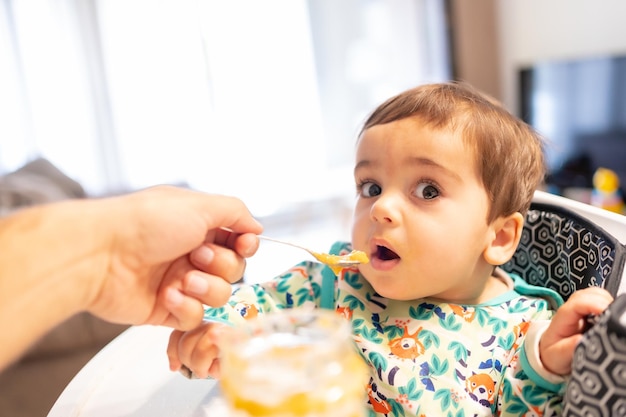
{"x": 130, "y": 377}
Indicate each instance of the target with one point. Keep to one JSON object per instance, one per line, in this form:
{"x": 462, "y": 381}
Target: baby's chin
{"x": 383, "y": 289}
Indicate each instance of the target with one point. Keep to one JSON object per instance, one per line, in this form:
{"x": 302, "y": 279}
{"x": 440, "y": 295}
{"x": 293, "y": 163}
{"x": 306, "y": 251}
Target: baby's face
{"x": 421, "y": 213}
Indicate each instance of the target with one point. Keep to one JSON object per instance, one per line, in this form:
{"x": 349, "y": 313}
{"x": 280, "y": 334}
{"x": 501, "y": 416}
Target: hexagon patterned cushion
{"x": 561, "y": 250}
{"x": 597, "y": 386}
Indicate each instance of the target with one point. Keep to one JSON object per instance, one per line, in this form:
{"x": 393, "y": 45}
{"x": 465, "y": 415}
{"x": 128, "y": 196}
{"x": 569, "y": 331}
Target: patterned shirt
{"x": 426, "y": 357}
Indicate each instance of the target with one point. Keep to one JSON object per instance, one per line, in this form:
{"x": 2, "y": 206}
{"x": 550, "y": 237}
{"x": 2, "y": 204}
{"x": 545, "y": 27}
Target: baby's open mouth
{"x": 385, "y": 254}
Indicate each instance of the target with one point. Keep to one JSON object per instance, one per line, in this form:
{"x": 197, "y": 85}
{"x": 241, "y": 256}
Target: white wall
{"x": 534, "y": 30}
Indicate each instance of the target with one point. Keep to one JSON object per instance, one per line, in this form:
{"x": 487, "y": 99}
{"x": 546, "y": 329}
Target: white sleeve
{"x": 531, "y": 345}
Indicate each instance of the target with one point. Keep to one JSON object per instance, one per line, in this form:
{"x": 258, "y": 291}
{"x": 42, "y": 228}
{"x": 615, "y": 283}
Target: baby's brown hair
{"x": 508, "y": 152}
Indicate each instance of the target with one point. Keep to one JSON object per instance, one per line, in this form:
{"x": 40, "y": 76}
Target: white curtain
{"x": 259, "y": 99}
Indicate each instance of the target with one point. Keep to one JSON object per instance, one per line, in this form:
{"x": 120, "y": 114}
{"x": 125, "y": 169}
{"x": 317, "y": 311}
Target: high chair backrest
{"x": 567, "y": 245}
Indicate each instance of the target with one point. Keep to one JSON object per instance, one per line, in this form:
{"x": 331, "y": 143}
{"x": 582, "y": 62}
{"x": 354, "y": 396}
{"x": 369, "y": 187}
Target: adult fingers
{"x": 218, "y": 260}
{"x": 209, "y": 289}
{"x": 229, "y": 212}
{"x": 183, "y": 311}
{"x": 247, "y": 244}
{"x": 185, "y": 290}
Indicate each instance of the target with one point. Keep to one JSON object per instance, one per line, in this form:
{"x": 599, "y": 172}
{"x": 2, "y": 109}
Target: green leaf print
{"x": 507, "y": 341}
{"x": 445, "y": 398}
{"x": 397, "y": 410}
{"x": 371, "y": 335}
{"x": 496, "y": 324}
{"x": 512, "y": 404}
{"x": 283, "y": 286}
{"x": 353, "y": 303}
{"x": 357, "y": 324}
{"x": 459, "y": 351}
{"x": 393, "y": 331}
{"x": 216, "y": 313}
{"x": 359, "y": 328}
{"x": 507, "y": 391}
{"x": 411, "y": 390}
{"x": 260, "y": 294}
{"x": 515, "y": 406}
{"x": 379, "y": 361}
{"x": 520, "y": 306}
{"x": 316, "y": 288}
{"x": 459, "y": 413}
{"x": 352, "y": 280}
{"x": 534, "y": 395}
{"x": 438, "y": 367}
{"x": 259, "y": 291}
{"x": 482, "y": 316}
{"x": 450, "y": 323}
{"x": 421, "y": 312}
{"x": 302, "y": 295}
{"x": 429, "y": 339}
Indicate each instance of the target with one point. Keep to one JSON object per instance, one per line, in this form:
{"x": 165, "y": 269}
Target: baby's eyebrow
{"x": 418, "y": 160}
{"x": 414, "y": 160}
{"x": 362, "y": 164}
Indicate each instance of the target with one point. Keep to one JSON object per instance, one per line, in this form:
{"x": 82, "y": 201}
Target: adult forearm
{"x": 47, "y": 254}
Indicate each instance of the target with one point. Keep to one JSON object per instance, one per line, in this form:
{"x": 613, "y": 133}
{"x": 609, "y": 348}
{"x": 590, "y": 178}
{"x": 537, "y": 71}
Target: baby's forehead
{"x": 419, "y": 127}
{"x": 413, "y": 139}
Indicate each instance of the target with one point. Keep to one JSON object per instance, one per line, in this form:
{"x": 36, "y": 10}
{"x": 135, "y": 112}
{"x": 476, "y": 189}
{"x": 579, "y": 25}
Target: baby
{"x": 444, "y": 176}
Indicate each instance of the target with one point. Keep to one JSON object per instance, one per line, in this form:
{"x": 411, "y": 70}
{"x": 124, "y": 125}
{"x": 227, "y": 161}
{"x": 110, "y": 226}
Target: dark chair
{"x": 566, "y": 246}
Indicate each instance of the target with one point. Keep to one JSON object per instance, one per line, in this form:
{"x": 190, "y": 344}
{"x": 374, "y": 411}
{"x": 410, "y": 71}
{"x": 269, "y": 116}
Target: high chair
{"x": 567, "y": 245}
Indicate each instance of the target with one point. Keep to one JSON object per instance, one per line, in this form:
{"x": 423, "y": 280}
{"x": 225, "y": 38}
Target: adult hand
{"x": 170, "y": 254}
{"x": 150, "y": 257}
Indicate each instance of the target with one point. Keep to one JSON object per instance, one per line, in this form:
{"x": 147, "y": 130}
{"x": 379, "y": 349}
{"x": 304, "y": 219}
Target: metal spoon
{"x": 335, "y": 262}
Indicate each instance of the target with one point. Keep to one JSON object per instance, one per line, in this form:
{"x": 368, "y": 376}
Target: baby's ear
{"x": 507, "y": 232}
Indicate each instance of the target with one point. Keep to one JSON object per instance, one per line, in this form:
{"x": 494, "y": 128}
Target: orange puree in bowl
{"x": 337, "y": 397}
{"x": 294, "y": 363}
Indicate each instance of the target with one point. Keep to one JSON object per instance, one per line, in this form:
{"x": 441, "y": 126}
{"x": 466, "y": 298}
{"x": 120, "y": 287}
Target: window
{"x": 258, "y": 99}
{"x": 262, "y": 100}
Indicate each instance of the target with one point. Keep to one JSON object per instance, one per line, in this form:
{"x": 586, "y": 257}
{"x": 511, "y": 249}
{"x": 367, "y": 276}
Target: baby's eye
{"x": 426, "y": 191}
{"x": 370, "y": 189}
